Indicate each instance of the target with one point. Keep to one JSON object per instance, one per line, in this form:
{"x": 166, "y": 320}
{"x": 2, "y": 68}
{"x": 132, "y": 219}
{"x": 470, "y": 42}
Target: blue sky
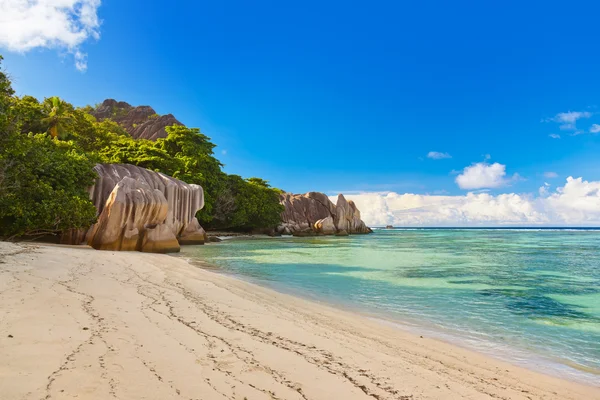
{"x": 346, "y": 96}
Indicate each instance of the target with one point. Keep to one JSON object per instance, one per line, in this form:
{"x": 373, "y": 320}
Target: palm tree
{"x": 59, "y": 116}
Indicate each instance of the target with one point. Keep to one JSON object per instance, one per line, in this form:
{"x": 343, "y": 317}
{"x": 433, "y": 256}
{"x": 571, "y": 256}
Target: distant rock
{"x": 389, "y": 227}
{"x": 314, "y": 214}
{"x": 347, "y": 217}
{"x": 142, "y": 210}
{"x": 141, "y": 122}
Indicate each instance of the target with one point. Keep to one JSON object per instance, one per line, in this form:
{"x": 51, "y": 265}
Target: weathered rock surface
{"x": 347, "y": 217}
{"x": 142, "y": 210}
{"x": 158, "y": 239}
{"x": 153, "y": 128}
{"x": 314, "y": 214}
{"x": 183, "y": 200}
{"x": 133, "y": 218}
{"x": 325, "y": 226}
{"x": 140, "y": 122}
{"x": 193, "y": 233}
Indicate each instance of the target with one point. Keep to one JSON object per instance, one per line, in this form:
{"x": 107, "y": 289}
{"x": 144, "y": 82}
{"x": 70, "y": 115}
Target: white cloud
{"x": 224, "y": 152}
{"x": 550, "y": 175}
{"x": 554, "y": 136}
{"x": 568, "y": 127}
{"x": 595, "y": 128}
{"x": 568, "y": 120}
{"x": 483, "y": 175}
{"x": 571, "y": 117}
{"x": 436, "y": 155}
{"x": 575, "y": 203}
{"x": 63, "y": 25}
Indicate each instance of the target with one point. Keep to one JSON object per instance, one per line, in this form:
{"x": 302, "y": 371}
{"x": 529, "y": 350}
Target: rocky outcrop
{"x": 140, "y": 122}
{"x": 111, "y": 108}
{"x": 133, "y": 218}
{"x": 314, "y": 214}
{"x": 347, "y": 217}
{"x": 192, "y": 233}
{"x": 142, "y": 210}
{"x": 153, "y": 128}
{"x": 183, "y": 199}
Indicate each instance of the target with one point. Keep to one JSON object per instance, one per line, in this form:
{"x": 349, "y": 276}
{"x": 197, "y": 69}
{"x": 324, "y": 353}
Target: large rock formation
{"x": 347, "y": 217}
{"x": 141, "y": 122}
{"x": 143, "y": 210}
{"x": 314, "y": 214}
{"x": 133, "y": 218}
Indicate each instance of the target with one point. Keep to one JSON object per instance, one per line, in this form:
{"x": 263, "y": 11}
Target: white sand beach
{"x": 76, "y": 323}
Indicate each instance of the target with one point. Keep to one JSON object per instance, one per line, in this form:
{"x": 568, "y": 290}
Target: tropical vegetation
{"x": 48, "y": 150}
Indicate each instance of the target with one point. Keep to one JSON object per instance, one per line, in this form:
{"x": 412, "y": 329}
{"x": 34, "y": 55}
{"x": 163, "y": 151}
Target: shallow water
{"x": 528, "y": 296}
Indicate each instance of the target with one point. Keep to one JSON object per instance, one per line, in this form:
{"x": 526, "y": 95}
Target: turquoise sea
{"x": 528, "y": 296}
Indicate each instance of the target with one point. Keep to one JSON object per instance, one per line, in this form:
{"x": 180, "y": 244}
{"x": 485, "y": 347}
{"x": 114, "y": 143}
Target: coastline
{"x": 529, "y": 359}
{"x": 131, "y": 325}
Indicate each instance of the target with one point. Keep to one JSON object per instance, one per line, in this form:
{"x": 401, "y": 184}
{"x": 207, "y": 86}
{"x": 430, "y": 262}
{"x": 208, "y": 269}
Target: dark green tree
{"x": 44, "y": 186}
{"x": 43, "y": 182}
{"x": 6, "y": 101}
{"x": 29, "y": 114}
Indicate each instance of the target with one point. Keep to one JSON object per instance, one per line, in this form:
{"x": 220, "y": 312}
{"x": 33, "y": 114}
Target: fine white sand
{"x": 76, "y": 323}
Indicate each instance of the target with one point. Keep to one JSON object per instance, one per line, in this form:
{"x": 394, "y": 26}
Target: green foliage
{"x": 92, "y": 136}
{"x": 87, "y": 109}
{"x": 42, "y": 187}
{"x": 58, "y": 116}
{"x": 29, "y": 113}
{"x": 6, "y": 101}
{"x": 143, "y": 153}
{"x": 116, "y": 111}
{"x": 43, "y": 182}
{"x": 194, "y": 162}
{"x": 48, "y": 149}
{"x": 247, "y": 204}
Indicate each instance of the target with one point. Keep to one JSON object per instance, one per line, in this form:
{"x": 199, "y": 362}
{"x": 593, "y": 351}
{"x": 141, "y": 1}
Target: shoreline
{"x": 531, "y": 360}
{"x": 160, "y": 327}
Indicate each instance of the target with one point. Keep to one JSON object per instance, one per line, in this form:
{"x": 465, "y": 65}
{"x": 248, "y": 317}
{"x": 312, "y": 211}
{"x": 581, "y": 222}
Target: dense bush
{"x": 48, "y": 149}
{"x": 246, "y": 204}
{"x": 43, "y": 186}
{"x": 42, "y": 181}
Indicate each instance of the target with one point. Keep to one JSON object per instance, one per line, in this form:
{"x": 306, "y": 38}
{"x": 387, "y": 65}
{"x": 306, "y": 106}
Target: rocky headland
{"x": 314, "y": 213}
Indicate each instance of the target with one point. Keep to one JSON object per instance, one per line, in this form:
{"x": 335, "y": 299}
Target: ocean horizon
{"x": 526, "y": 295}
{"x": 522, "y": 228}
